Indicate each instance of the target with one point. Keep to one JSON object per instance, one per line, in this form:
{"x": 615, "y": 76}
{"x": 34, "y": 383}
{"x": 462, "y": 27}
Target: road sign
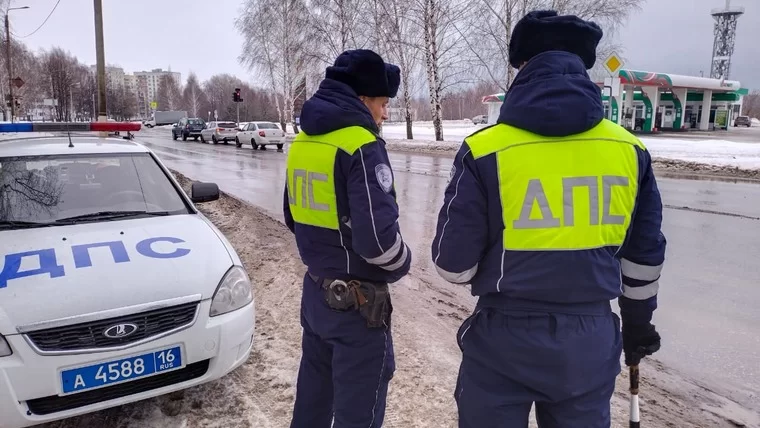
{"x": 153, "y": 105}
{"x": 18, "y": 82}
{"x": 613, "y": 63}
{"x": 215, "y": 116}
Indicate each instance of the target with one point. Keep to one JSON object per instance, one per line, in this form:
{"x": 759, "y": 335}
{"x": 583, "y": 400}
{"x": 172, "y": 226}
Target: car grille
{"x": 90, "y": 335}
{"x": 54, "y": 403}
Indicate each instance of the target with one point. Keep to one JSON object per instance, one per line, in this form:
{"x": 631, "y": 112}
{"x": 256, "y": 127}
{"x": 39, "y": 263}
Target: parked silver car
{"x": 261, "y": 134}
{"x": 219, "y": 132}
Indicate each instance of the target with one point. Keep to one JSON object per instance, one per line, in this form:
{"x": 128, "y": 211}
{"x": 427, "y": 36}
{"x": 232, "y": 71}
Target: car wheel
{"x": 203, "y": 140}
{"x": 195, "y": 138}
{"x": 184, "y": 137}
{"x": 238, "y": 144}
{"x": 213, "y": 139}
{"x": 279, "y": 146}
{"x": 174, "y": 136}
{"x": 263, "y": 147}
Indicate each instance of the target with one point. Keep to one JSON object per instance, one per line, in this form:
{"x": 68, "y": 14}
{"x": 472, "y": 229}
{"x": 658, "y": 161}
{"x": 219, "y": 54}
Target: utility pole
{"x": 101, "y": 62}
{"x": 10, "y": 68}
{"x": 8, "y": 59}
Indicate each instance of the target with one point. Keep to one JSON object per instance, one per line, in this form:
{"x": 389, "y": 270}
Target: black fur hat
{"x": 544, "y": 30}
{"x": 366, "y": 73}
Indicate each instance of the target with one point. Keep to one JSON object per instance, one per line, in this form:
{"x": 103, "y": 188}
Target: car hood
{"x": 57, "y": 272}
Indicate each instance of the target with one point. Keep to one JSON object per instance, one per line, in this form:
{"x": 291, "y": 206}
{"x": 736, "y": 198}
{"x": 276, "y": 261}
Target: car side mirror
{"x": 204, "y": 192}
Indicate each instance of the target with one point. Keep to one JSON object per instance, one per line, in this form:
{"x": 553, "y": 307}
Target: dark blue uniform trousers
{"x": 565, "y": 364}
{"x": 345, "y": 367}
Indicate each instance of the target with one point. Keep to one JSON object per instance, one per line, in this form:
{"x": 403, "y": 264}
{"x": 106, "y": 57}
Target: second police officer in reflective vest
{"x": 340, "y": 202}
{"x": 550, "y": 214}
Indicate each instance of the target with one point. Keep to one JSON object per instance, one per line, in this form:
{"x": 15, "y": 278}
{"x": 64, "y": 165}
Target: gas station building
{"x": 649, "y": 102}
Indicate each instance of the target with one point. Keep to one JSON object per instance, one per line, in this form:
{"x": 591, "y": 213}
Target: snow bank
{"x": 713, "y": 152}
{"x": 453, "y": 130}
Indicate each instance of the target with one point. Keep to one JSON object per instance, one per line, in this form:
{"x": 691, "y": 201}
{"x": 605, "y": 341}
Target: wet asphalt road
{"x": 710, "y": 290}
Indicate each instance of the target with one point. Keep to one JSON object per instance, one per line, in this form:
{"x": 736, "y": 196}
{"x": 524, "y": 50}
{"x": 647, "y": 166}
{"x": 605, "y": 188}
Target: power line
{"x": 43, "y": 22}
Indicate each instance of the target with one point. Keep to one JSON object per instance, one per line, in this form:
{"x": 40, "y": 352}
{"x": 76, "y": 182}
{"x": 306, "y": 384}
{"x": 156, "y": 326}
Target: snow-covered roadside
{"x": 703, "y": 157}
{"x": 427, "y": 313}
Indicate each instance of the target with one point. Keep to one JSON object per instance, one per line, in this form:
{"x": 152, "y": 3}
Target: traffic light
{"x": 236, "y": 96}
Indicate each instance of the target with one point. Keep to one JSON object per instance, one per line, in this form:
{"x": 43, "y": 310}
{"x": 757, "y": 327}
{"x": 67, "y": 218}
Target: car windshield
{"x": 195, "y": 121}
{"x": 50, "y": 189}
{"x": 266, "y": 125}
{"x": 226, "y": 125}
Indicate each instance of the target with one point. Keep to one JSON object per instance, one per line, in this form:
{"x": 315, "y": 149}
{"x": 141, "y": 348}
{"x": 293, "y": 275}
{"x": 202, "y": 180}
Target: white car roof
{"x": 59, "y": 145}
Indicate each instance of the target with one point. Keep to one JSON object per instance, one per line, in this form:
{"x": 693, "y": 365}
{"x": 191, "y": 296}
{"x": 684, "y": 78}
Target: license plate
{"x": 122, "y": 370}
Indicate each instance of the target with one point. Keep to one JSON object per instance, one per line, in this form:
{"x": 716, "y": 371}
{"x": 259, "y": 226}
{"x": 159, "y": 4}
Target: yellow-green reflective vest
{"x": 311, "y": 173}
{"x": 563, "y": 193}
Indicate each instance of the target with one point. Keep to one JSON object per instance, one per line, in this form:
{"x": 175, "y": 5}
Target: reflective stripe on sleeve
{"x": 641, "y": 293}
{"x": 457, "y": 278}
{"x": 640, "y": 272}
{"x": 389, "y": 255}
{"x": 400, "y": 262}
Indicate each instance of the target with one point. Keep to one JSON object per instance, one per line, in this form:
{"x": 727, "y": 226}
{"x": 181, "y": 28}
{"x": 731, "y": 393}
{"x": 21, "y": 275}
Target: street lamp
{"x": 8, "y": 59}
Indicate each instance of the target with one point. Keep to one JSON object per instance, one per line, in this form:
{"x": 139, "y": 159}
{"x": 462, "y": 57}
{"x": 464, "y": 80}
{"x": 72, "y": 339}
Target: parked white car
{"x": 217, "y": 132}
{"x": 261, "y": 134}
{"x": 114, "y": 288}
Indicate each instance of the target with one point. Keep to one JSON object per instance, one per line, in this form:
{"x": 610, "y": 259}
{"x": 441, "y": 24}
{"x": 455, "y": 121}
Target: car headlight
{"x": 233, "y": 292}
{"x": 5, "y": 348}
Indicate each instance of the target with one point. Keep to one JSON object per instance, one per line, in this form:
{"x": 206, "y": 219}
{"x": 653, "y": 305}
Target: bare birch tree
{"x": 399, "y": 33}
{"x": 490, "y": 24}
{"x": 442, "y": 45}
{"x": 193, "y": 97}
{"x": 278, "y": 53}
{"x": 334, "y": 26}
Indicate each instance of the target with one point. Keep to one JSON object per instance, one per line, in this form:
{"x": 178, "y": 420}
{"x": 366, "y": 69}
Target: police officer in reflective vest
{"x": 550, "y": 214}
{"x": 340, "y": 202}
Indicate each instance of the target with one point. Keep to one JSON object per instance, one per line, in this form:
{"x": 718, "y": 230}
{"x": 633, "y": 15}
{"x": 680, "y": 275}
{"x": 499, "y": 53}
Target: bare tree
{"x": 489, "y": 29}
{"x": 334, "y": 26}
{"x": 219, "y": 89}
{"x": 84, "y": 93}
{"x": 278, "y": 53}
{"x": 445, "y": 62}
{"x": 399, "y": 33}
{"x": 122, "y": 105}
{"x": 60, "y": 68}
{"x": 169, "y": 94}
{"x": 751, "y": 104}
{"x": 193, "y": 97}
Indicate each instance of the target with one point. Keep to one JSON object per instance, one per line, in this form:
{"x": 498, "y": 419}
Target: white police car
{"x": 113, "y": 287}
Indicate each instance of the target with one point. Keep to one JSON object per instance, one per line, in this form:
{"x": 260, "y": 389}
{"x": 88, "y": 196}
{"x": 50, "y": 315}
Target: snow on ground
{"x": 453, "y": 130}
{"x": 714, "y": 152}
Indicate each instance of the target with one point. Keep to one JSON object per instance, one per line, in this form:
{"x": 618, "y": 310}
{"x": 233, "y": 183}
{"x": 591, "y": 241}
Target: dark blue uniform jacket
{"x": 551, "y": 96}
{"x": 368, "y": 245}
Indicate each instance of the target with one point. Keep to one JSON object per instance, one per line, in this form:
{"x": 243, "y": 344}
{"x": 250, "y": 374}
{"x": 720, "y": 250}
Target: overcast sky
{"x": 670, "y": 36}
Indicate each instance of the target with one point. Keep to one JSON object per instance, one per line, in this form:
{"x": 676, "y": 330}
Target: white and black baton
{"x": 633, "y": 375}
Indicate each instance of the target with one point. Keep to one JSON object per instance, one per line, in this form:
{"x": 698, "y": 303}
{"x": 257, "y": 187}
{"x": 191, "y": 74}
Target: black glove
{"x": 639, "y": 341}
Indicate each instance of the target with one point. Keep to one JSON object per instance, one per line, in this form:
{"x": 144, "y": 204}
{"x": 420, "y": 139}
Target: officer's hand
{"x": 638, "y": 342}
